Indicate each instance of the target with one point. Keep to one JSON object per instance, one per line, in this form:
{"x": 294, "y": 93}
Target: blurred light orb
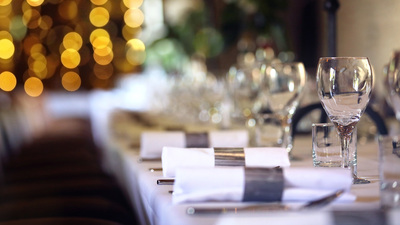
{"x": 98, "y": 2}
{"x": 103, "y": 72}
{"x": 72, "y": 40}
{"x": 70, "y": 58}
{"x": 7, "y": 49}
{"x": 133, "y": 3}
{"x": 98, "y": 33}
{"x": 35, "y": 3}
{"x": 99, "y": 17}
{"x": 136, "y": 44}
{"x": 33, "y": 87}
{"x": 5, "y": 10}
{"x": 134, "y": 17}
{"x": 103, "y": 60}
{"x": 136, "y": 54}
{"x": 5, "y": 2}
{"x": 130, "y": 32}
{"x": 71, "y": 81}
{"x": 68, "y": 10}
{"x": 8, "y": 81}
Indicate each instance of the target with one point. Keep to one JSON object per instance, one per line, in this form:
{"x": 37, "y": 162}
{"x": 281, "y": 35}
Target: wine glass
{"x": 244, "y": 82}
{"x": 283, "y": 85}
{"x": 344, "y": 87}
{"x": 393, "y": 83}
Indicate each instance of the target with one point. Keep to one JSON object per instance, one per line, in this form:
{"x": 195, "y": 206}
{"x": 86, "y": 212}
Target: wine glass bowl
{"x": 344, "y": 87}
{"x": 393, "y": 82}
{"x": 282, "y": 88}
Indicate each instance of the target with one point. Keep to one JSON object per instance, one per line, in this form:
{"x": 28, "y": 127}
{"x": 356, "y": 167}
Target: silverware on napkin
{"x": 319, "y": 203}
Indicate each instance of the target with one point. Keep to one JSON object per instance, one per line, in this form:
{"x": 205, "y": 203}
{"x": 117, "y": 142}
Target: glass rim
{"x": 343, "y": 57}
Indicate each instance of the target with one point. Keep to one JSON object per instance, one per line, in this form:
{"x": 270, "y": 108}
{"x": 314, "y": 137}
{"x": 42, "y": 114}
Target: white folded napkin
{"x": 152, "y": 142}
{"x": 173, "y": 158}
{"x": 195, "y": 184}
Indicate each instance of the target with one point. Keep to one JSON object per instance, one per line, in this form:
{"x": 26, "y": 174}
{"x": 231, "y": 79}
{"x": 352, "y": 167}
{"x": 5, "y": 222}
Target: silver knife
{"x": 264, "y": 207}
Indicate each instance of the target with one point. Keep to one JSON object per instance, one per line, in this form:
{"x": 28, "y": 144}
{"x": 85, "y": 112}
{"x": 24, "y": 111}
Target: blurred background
{"x": 160, "y": 52}
{"x": 81, "y": 45}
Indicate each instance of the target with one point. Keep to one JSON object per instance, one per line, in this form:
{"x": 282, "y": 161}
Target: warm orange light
{"x": 7, "y": 49}
{"x": 5, "y": 10}
{"x": 5, "y": 2}
{"x": 99, "y": 17}
{"x": 99, "y": 2}
{"x": 103, "y": 72}
{"x": 71, "y": 81}
{"x": 72, "y": 40}
{"x": 33, "y": 87}
{"x": 8, "y": 81}
{"x": 103, "y": 60}
{"x": 133, "y": 3}
{"x": 70, "y": 58}
{"x": 134, "y": 17}
{"x": 35, "y": 3}
{"x": 68, "y": 10}
{"x": 135, "y": 54}
{"x": 98, "y": 33}
{"x": 130, "y": 32}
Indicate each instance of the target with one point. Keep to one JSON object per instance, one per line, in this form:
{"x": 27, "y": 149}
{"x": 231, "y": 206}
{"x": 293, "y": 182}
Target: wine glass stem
{"x": 345, "y": 142}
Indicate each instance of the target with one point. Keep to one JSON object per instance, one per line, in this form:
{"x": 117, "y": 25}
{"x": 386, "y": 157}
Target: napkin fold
{"x": 152, "y": 142}
{"x": 173, "y": 158}
{"x": 200, "y": 184}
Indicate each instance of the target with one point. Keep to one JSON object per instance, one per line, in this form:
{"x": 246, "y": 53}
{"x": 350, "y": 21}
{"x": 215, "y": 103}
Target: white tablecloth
{"x": 154, "y": 206}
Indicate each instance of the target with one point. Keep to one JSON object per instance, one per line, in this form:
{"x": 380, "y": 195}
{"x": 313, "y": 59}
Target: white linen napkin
{"x": 173, "y": 158}
{"x": 199, "y": 184}
{"x": 152, "y": 142}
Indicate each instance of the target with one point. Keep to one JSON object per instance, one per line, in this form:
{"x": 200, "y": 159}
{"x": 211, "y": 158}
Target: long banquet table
{"x": 153, "y": 202}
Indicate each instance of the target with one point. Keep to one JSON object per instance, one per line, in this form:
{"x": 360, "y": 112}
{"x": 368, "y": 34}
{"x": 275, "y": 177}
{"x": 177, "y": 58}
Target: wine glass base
{"x": 357, "y": 180}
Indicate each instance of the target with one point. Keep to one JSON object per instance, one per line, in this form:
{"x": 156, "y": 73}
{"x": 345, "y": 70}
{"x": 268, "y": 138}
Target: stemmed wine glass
{"x": 344, "y": 87}
{"x": 393, "y": 82}
{"x": 283, "y": 85}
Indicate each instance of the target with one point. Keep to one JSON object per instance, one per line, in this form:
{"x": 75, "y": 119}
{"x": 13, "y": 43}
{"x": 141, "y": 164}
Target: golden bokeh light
{"x": 5, "y": 35}
{"x": 72, "y": 40}
{"x": 130, "y": 32}
{"x": 98, "y": 33}
{"x": 103, "y": 60}
{"x": 7, "y": 49}
{"x": 8, "y": 81}
{"x": 70, "y": 58}
{"x": 103, "y": 72}
{"x": 98, "y": 2}
{"x": 136, "y": 44}
{"x": 35, "y": 3}
{"x": 99, "y": 17}
{"x": 46, "y": 22}
{"x": 31, "y": 18}
{"x": 5, "y": 10}
{"x": 71, "y": 81}
{"x": 5, "y": 2}
{"x": 134, "y": 17}
{"x": 68, "y": 10}
{"x": 136, "y": 53}
{"x": 33, "y": 87}
{"x": 42, "y": 38}
{"x": 133, "y": 3}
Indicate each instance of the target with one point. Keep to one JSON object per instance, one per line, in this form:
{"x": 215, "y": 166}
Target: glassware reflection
{"x": 282, "y": 89}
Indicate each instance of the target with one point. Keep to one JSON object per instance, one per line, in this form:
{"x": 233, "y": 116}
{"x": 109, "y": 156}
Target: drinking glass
{"x": 393, "y": 82}
{"x": 244, "y": 83}
{"x": 344, "y": 86}
{"x": 282, "y": 86}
